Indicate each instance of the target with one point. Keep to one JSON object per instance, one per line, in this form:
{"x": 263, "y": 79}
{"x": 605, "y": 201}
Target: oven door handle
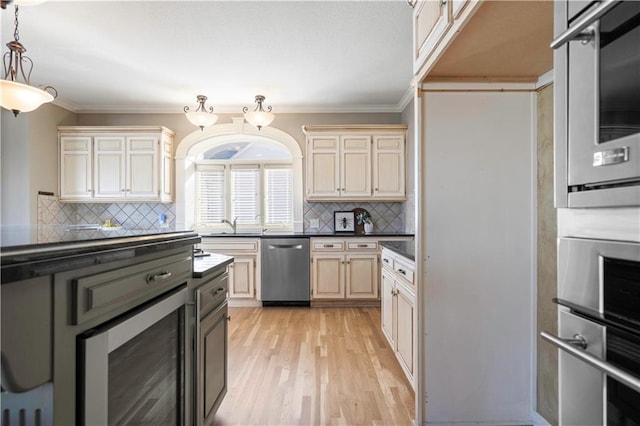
{"x": 610, "y": 370}
{"x": 579, "y": 30}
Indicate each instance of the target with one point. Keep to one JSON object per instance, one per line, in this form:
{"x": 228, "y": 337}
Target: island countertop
{"x": 37, "y": 259}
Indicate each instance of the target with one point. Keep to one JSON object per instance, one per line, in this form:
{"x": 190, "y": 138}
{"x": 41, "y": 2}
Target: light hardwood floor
{"x": 313, "y": 366}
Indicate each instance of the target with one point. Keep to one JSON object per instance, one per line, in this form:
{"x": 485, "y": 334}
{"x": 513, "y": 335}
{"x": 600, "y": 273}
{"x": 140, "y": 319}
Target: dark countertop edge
{"x": 22, "y": 262}
{"x": 401, "y": 248}
{"x": 306, "y": 235}
{"x": 213, "y": 268}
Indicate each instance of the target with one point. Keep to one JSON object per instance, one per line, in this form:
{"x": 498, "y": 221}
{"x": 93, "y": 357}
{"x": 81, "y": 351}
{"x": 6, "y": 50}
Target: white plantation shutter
{"x": 210, "y": 197}
{"x": 278, "y": 195}
{"x": 245, "y": 187}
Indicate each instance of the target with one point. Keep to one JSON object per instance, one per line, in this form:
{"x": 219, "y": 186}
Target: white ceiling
{"x": 156, "y": 56}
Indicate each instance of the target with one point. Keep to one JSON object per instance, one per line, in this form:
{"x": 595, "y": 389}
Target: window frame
{"x": 228, "y": 165}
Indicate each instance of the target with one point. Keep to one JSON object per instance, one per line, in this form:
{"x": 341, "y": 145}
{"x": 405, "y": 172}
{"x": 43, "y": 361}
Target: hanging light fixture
{"x": 14, "y": 95}
{"x": 4, "y": 3}
{"x": 258, "y": 117}
{"x": 201, "y": 117}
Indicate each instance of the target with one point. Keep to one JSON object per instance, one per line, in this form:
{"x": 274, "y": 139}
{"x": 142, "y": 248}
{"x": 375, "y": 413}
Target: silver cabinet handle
{"x": 385, "y": 260}
{"x": 217, "y": 291}
{"x": 579, "y": 29}
{"x": 610, "y": 370}
{"x": 363, "y": 245}
{"x": 328, "y": 245}
{"x": 158, "y": 277}
{"x": 402, "y": 271}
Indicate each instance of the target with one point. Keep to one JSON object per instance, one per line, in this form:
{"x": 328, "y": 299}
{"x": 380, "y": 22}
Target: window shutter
{"x": 279, "y": 196}
{"x": 210, "y": 195}
{"x": 245, "y": 189}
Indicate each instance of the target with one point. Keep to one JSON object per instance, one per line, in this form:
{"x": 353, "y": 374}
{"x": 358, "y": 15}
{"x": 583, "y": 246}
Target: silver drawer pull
{"x": 158, "y": 277}
{"x": 217, "y": 291}
{"x": 363, "y": 245}
{"x": 385, "y": 260}
{"x": 402, "y": 271}
{"x": 328, "y": 246}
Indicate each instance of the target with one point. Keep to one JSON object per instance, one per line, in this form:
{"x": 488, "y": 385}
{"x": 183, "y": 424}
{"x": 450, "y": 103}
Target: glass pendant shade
{"x": 201, "y": 117}
{"x": 258, "y": 117}
{"x": 22, "y": 97}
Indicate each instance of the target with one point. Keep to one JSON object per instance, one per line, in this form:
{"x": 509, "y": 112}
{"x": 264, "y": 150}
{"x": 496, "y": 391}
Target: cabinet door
{"x": 431, "y": 20}
{"x": 142, "y": 168}
{"x": 387, "y": 299}
{"x": 328, "y": 276}
{"x": 242, "y": 277}
{"x": 405, "y": 315}
{"x": 166, "y": 170}
{"x": 109, "y": 167}
{"x": 323, "y": 167}
{"x": 389, "y": 167}
{"x": 76, "y": 167}
{"x": 362, "y": 276}
{"x": 212, "y": 364}
{"x": 355, "y": 171}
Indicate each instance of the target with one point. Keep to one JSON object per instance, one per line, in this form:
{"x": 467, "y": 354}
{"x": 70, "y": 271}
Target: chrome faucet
{"x": 231, "y": 224}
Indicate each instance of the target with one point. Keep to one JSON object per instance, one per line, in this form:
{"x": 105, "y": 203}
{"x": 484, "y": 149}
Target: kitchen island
{"x": 94, "y": 315}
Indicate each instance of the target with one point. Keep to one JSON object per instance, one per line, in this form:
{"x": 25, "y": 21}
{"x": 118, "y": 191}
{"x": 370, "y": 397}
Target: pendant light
{"x": 258, "y": 117}
{"x": 15, "y": 95}
{"x": 201, "y": 117}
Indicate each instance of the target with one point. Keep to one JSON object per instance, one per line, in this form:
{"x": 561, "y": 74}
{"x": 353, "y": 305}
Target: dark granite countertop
{"x": 29, "y": 260}
{"x": 209, "y": 263}
{"x": 305, "y": 235}
{"x": 403, "y": 248}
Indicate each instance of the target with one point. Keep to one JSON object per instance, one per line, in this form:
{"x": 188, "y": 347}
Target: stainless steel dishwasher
{"x": 285, "y": 271}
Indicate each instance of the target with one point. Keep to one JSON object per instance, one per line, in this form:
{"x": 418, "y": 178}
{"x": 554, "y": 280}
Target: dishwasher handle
{"x": 284, "y": 246}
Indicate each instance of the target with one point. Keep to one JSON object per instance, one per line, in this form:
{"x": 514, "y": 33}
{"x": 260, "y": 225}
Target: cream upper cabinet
{"x": 355, "y": 162}
{"x": 389, "y": 175}
{"x": 76, "y": 167}
{"x": 431, "y": 20}
{"x": 124, "y": 164}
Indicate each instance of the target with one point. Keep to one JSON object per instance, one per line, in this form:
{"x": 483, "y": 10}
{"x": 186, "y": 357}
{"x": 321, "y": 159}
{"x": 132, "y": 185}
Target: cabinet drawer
{"x": 328, "y": 245}
{"x": 230, "y": 246}
{"x": 124, "y": 288}
{"x": 362, "y": 245}
{"x": 213, "y": 293}
{"x": 387, "y": 260}
{"x": 404, "y": 270}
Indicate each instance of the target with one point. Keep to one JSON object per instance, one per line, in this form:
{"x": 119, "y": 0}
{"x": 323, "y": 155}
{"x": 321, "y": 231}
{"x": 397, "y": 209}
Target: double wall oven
{"x": 597, "y": 103}
{"x": 599, "y": 332}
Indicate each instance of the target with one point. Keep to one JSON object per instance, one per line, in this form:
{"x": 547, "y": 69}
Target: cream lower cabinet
{"x": 344, "y": 269}
{"x": 112, "y": 164}
{"x": 398, "y": 310}
{"x": 244, "y": 272}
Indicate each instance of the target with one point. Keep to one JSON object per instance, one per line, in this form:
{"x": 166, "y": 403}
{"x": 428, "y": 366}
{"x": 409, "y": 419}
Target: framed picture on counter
{"x": 344, "y": 221}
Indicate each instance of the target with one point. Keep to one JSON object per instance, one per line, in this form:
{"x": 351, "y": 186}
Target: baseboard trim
{"x": 342, "y": 303}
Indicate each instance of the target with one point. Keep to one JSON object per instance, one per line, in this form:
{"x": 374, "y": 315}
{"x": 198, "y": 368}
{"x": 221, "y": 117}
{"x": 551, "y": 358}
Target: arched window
{"x": 254, "y": 179}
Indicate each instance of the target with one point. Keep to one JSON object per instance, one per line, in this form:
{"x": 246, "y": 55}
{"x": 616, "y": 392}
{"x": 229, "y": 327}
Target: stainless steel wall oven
{"x": 599, "y": 332}
{"x": 597, "y": 76}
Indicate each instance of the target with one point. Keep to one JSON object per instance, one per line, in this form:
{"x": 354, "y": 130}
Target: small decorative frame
{"x": 344, "y": 221}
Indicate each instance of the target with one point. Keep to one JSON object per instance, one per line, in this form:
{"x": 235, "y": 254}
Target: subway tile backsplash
{"x": 386, "y": 217}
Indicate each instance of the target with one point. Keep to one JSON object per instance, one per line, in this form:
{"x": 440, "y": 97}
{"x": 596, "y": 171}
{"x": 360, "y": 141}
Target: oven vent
{"x": 32, "y": 408}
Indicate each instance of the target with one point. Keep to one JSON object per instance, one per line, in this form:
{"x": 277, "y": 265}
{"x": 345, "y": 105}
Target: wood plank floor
{"x": 313, "y": 366}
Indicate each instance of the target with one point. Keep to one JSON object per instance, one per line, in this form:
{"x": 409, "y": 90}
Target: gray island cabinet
{"x": 87, "y": 324}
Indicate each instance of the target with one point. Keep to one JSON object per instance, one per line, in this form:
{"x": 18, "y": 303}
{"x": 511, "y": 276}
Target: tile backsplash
{"x": 386, "y": 217}
{"x": 54, "y": 217}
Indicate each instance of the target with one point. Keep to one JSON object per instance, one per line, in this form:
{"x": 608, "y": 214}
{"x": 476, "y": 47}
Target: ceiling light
{"x": 201, "y": 117}
{"x": 4, "y": 3}
{"x": 15, "y": 95}
{"x": 258, "y": 117}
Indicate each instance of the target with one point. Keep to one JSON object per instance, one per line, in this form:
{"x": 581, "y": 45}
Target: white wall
{"x": 15, "y": 171}
{"x": 477, "y": 211}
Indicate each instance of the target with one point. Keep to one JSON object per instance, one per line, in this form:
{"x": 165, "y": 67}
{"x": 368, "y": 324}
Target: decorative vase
{"x": 368, "y": 227}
